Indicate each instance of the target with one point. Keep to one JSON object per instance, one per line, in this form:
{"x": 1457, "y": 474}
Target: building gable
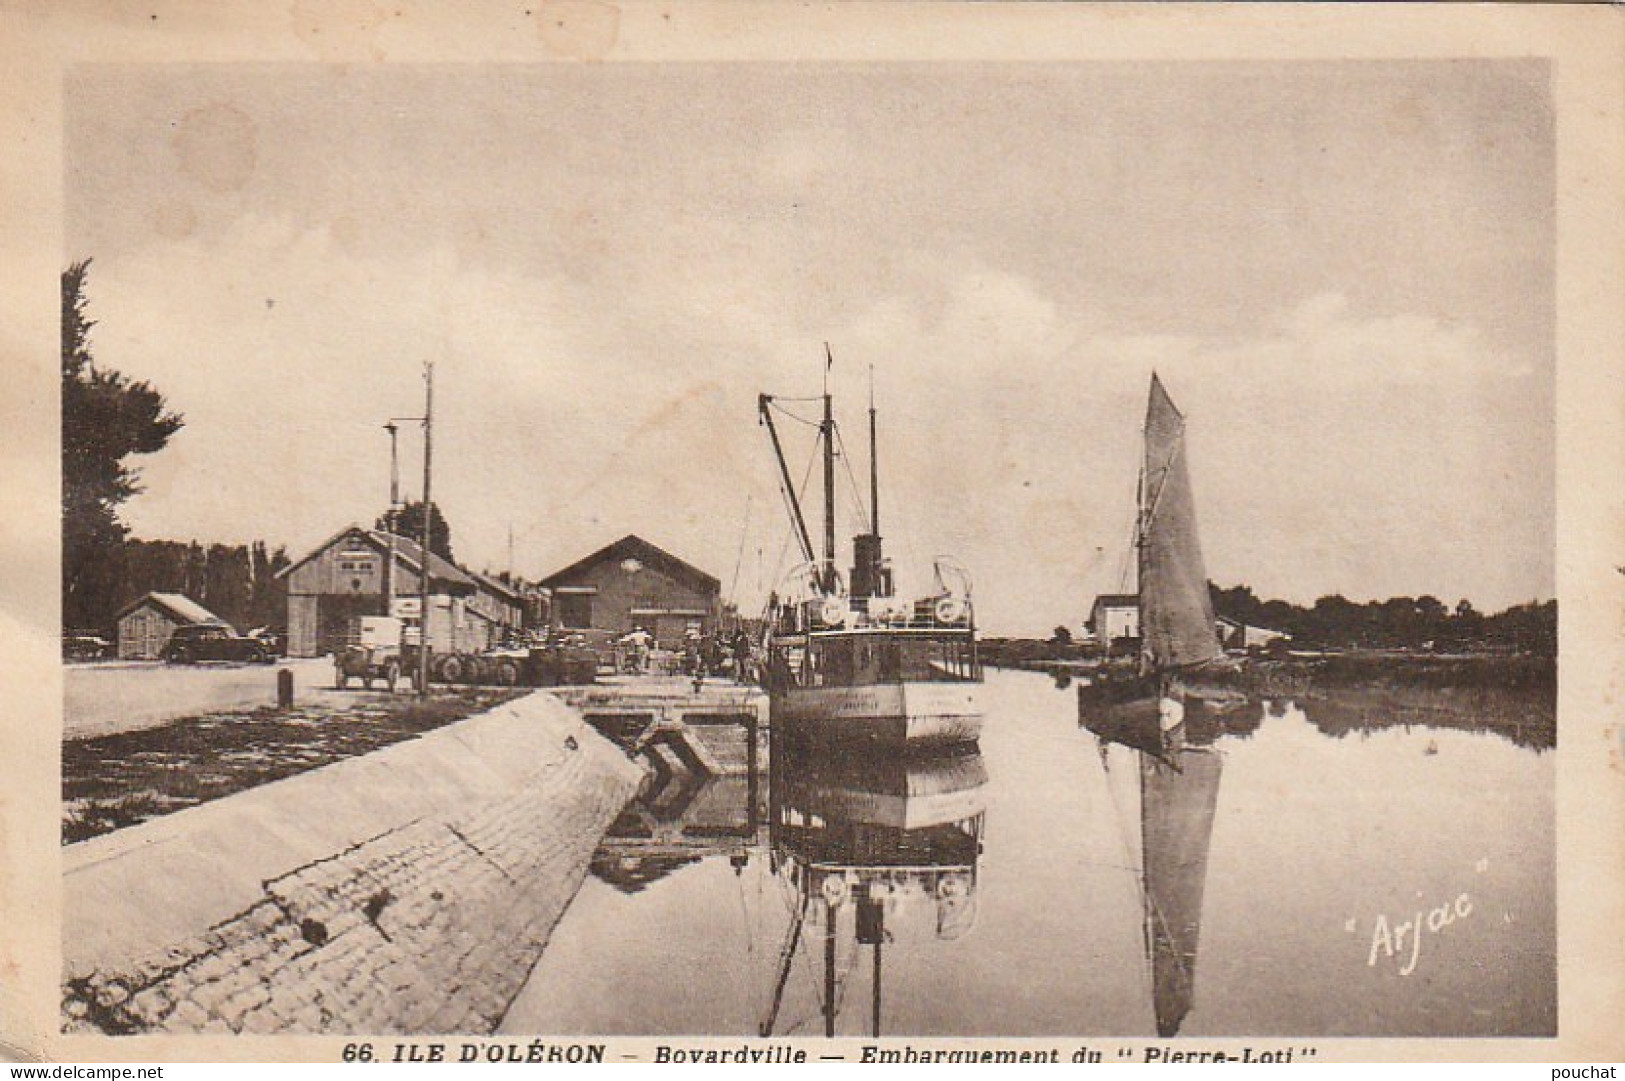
{"x": 177, "y": 606}
{"x": 635, "y": 548}
{"x": 444, "y": 576}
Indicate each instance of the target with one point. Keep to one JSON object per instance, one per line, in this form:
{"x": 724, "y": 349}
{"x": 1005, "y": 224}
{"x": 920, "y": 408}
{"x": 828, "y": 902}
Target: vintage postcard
{"x": 571, "y": 532}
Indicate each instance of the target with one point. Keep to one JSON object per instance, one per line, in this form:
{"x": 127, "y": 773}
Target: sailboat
{"x": 848, "y": 662}
{"x": 1179, "y": 638}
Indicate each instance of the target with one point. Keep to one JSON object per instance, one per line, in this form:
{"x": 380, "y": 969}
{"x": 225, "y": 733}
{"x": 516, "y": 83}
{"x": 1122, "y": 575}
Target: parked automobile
{"x": 214, "y": 642}
{"x": 78, "y": 646}
{"x": 271, "y": 638}
{"x": 371, "y": 650}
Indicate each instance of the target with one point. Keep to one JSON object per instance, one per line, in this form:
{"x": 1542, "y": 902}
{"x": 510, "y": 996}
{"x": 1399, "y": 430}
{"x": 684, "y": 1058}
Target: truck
{"x": 372, "y": 649}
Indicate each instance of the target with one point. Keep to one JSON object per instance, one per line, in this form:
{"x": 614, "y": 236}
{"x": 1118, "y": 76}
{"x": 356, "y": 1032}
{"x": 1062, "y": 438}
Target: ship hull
{"x": 890, "y": 715}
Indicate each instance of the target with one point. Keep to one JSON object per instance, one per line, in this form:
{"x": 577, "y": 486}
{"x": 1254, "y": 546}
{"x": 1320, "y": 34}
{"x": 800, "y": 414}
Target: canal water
{"x": 1269, "y": 877}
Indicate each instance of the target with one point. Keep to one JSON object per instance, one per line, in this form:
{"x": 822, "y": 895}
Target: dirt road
{"x": 123, "y": 696}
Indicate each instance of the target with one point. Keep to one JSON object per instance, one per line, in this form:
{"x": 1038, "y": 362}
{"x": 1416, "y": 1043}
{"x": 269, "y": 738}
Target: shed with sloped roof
{"x": 145, "y": 624}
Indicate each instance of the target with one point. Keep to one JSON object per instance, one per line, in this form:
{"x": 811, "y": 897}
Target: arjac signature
{"x": 1403, "y": 938}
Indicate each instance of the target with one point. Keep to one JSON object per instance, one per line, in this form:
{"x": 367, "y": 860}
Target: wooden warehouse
{"x": 345, "y": 577}
{"x": 145, "y": 624}
{"x": 632, "y": 584}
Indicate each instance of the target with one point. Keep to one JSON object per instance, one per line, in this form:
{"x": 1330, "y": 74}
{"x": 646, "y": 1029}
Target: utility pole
{"x": 423, "y": 569}
{"x": 392, "y": 520}
{"x": 389, "y": 520}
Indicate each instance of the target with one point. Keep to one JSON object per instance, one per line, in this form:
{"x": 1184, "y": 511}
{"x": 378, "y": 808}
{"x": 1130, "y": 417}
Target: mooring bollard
{"x": 284, "y": 688}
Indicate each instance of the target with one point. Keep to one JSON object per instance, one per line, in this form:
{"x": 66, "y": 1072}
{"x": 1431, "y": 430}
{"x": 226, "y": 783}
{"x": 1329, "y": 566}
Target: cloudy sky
{"x": 1343, "y": 272}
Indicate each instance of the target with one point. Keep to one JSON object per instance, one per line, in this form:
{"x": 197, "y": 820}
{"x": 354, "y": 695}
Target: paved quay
{"x": 122, "y": 696}
{"x": 406, "y": 891}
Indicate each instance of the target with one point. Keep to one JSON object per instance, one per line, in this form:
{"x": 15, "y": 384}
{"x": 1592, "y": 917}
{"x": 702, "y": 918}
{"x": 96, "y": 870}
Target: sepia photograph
{"x": 853, "y": 551}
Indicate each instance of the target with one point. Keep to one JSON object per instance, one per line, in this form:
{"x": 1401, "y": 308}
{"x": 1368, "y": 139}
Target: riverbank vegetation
{"x": 1333, "y": 624}
{"x": 110, "y": 782}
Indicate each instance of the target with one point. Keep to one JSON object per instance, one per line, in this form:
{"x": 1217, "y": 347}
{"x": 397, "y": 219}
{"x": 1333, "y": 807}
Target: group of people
{"x": 728, "y": 655}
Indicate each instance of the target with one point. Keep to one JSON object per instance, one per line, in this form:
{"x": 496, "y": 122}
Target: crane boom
{"x": 763, "y": 402}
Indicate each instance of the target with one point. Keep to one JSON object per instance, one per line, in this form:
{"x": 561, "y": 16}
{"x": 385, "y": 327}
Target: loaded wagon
{"x": 540, "y": 666}
{"x": 377, "y": 648}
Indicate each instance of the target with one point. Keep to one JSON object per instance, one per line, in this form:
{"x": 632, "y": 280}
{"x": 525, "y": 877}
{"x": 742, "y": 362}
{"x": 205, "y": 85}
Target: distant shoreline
{"x": 1323, "y": 667}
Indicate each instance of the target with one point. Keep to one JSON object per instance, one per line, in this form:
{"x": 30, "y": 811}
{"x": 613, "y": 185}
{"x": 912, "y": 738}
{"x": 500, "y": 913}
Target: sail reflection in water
{"x": 1179, "y": 793}
{"x": 868, "y": 847}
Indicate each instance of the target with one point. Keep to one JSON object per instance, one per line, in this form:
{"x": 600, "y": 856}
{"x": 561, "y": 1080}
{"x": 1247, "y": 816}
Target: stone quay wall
{"x": 406, "y": 891}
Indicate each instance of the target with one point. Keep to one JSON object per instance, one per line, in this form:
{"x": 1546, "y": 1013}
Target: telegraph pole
{"x": 423, "y": 569}
{"x": 389, "y": 521}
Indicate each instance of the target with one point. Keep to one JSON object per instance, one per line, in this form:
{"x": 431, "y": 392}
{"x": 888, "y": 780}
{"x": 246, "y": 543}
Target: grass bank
{"x": 110, "y": 782}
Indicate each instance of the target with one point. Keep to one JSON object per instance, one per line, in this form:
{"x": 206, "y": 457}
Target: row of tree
{"x": 1425, "y": 622}
{"x": 1397, "y": 623}
{"x": 238, "y": 582}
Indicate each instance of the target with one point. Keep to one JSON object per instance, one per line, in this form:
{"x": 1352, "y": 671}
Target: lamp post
{"x": 392, "y": 521}
{"x": 389, "y": 520}
{"x": 423, "y": 573}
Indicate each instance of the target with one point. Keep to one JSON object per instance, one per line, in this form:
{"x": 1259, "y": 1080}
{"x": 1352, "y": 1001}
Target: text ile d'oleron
{"x": 540, "y": 1051}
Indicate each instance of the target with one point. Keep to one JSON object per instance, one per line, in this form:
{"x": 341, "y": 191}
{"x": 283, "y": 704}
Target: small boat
{"x": 1181, "y": 657}
{"x": 848, "y": 662}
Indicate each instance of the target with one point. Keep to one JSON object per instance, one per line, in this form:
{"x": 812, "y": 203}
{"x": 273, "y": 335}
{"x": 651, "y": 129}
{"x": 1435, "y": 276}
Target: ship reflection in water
{"x": 868, "y": 844}
{"x": 1260, "y": 874}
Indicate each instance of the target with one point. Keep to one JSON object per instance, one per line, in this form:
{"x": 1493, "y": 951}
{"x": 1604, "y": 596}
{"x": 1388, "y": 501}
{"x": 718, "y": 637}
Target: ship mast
{"x": 826, "y": 432}
{"x": 869, "y": 575}
{"x": 1142, "y": 525}
{"x": 874, "y": 467}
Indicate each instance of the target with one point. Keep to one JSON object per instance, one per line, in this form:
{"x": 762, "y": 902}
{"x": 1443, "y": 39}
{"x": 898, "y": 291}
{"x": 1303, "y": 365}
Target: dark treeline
{"x": 1335, "y": 622}
{"x": 237, "y": 582}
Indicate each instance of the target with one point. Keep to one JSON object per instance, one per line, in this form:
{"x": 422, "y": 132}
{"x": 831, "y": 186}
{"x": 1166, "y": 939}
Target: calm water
{"x": 1064, "y": 882}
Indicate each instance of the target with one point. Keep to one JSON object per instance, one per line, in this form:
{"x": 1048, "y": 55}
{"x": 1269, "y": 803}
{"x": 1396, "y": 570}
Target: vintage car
{"x": 83, "y": 646}
{"x": 214, "y": 642}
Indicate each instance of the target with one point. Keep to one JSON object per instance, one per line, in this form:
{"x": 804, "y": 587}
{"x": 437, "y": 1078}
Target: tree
{"x": 1468, "y": 622}
{"x": 228, "y": 582}
{"x": 268, "y": 605}
{"x": 407, "y": 521}
{"x": 106, "y": 418}
{"x": 1062, "y": 636}
{"x": 1237, "y": 603}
